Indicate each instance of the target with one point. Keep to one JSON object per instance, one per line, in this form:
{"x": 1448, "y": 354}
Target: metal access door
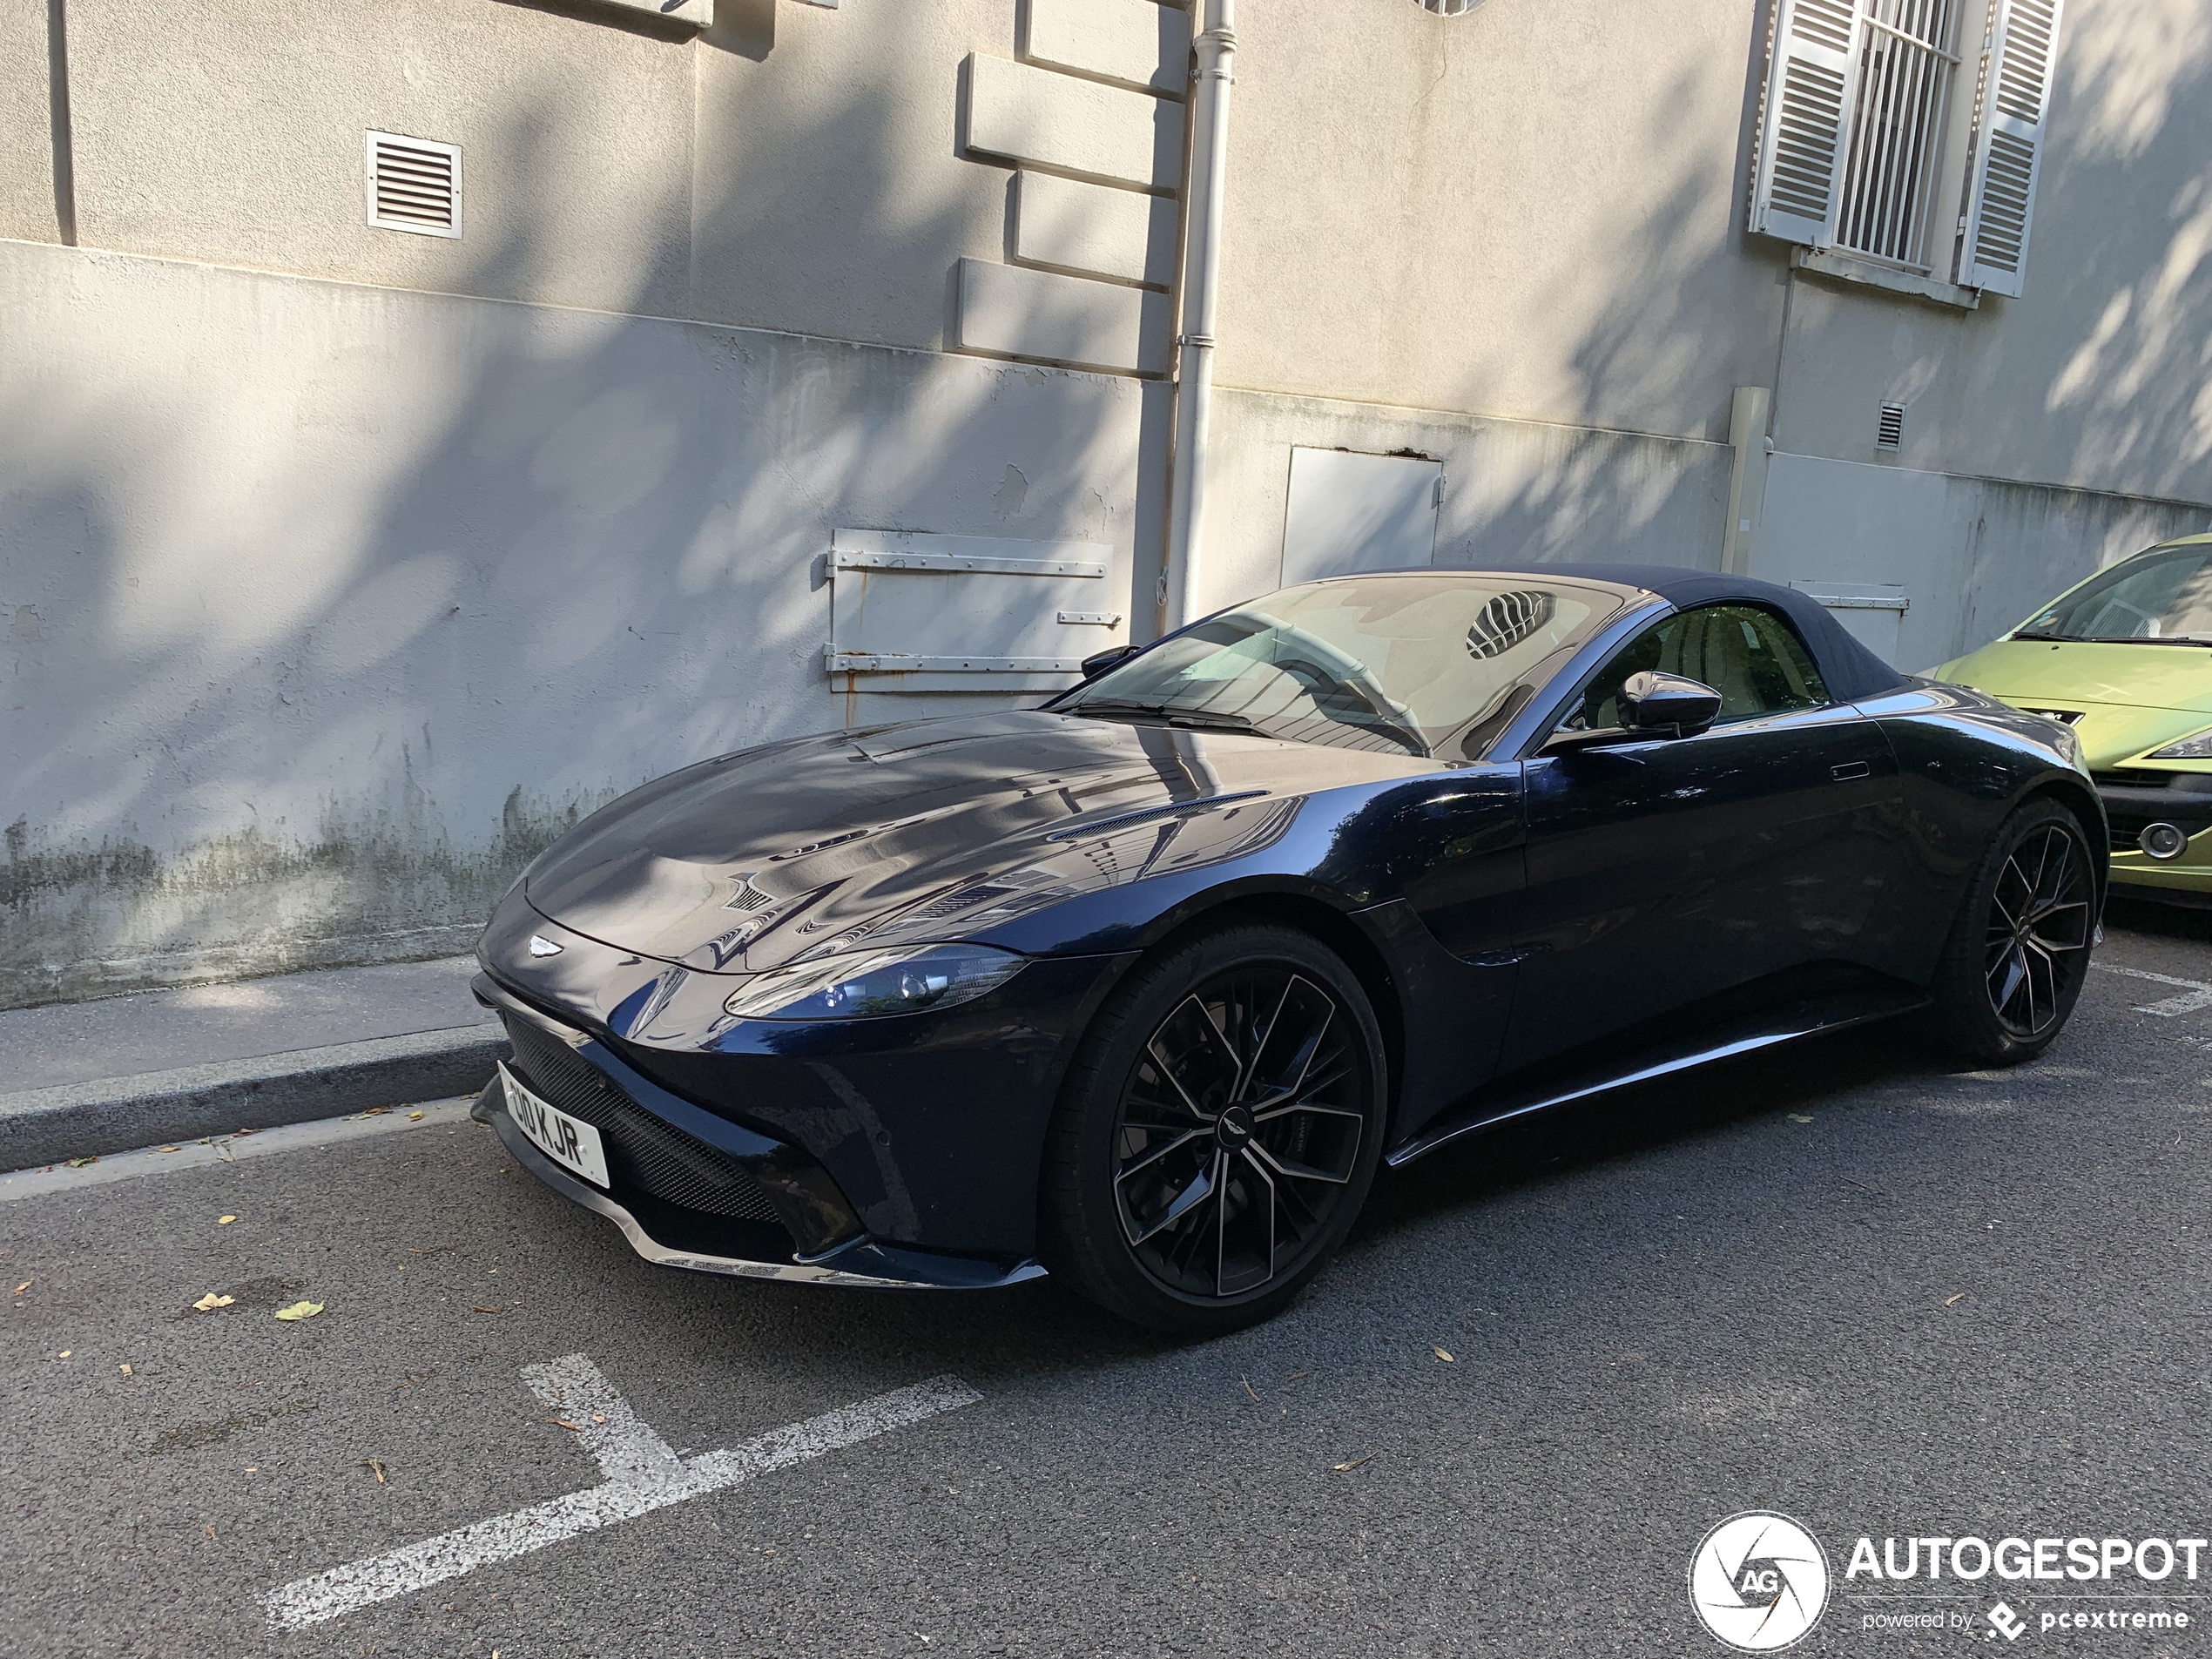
{"x": 1357, "y": 512}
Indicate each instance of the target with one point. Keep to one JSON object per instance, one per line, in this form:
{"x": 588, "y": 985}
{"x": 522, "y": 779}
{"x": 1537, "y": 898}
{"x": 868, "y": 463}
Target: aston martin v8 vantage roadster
{"x": 1142, "y": 986}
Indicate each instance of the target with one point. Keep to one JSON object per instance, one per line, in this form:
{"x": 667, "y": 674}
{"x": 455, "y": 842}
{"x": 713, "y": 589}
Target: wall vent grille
{"x": 413, "y": 185}
{"x": 1891, "y": 433}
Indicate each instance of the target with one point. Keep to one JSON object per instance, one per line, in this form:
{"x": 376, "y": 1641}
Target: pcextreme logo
{"x": 1759, "y": 1582}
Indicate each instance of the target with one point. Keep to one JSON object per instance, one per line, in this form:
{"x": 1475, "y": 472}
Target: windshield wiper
{"x": 2198, "y": 640}
{"x": 1218, "y": 719}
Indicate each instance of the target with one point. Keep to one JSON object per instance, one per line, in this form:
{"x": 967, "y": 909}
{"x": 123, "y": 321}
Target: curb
{"x": 41, "y": 1126}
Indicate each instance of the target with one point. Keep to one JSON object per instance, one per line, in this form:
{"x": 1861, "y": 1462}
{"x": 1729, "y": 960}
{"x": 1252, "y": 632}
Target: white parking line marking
{"x": 642, "y": 1475}
{"x": 2199, "y": 997}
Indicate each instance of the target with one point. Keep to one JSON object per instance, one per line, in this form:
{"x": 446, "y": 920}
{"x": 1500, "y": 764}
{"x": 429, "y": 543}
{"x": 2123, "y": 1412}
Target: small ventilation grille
{"x": 1449, "y": 8}
{"x": 413, "y": 185}
{"x": 1891, "y": 433}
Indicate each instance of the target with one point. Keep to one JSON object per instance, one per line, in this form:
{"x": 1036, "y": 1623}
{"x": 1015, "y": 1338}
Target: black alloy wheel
{"x": 2019, "y": 951}
{"x": 2039, "y": 931}
{"x": 1239, "y": 1131}
{"x": 1219, "y": 1133}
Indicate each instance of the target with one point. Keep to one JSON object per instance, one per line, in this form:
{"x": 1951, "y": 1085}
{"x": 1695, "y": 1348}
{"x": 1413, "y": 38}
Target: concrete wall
{"x": 326, "y": 597}
{"x": 323, "y": 606}
{"x": 1513, "y": 489}
{"x": 1974, "y": 556}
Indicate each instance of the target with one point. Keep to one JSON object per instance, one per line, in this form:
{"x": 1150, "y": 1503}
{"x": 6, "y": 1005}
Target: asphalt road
{"x": 1948, "y": 1303}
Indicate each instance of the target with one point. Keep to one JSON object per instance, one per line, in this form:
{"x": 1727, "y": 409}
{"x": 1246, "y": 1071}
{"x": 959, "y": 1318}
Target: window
{"x": 2163, "y": 593}
{"x": 1752, "y": 658}
{"x": 1410, "y": 664}
{"x": 1879, "y": 137}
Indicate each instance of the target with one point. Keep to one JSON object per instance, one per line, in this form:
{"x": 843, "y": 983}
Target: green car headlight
{"x": 862, "y": 986}
{"x": 2197, "y": 748}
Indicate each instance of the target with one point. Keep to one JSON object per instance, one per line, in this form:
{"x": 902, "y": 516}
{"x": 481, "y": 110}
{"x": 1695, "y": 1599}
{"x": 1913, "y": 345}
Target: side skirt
{"x": 1517, "y": 1096}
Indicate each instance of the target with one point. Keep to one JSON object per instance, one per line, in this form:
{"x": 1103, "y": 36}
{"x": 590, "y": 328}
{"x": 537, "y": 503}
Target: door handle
{"x": 1850, "y": 769}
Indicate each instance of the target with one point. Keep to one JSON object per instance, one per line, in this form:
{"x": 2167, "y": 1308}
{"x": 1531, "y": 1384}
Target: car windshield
{"x": 1427, "y": 665}
{"x": 2163, "y": 593}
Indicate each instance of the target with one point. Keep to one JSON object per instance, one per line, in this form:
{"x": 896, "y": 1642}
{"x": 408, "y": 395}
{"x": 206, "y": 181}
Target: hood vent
{"x": 413, "y": 185}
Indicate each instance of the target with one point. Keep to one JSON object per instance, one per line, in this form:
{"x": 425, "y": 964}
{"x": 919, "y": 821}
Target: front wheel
{"x": 2019, "y": 951}
{"x": 1218, "y": 1132}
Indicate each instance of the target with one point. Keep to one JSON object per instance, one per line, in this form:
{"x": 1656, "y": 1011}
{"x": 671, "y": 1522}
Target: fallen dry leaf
{"x": 475, "y": 1309}
{"x": 64, "y": 1354}
{"x": 173, "y": 1149}
{"x": 374, "y": 1468}
{"x": 1441, "y": 1354}
{"x": 210, "y": 1301}
{"x": 25, "y": 1286}
{"x": 299, "y": 1310}
{"x": 376, "y": 1111}
{"x": 1341, "y": 1468}
{"x": 225, "y": 1221}
{"x": 125, "y": 1368}
{"x": 415, "y": 1117}
{"x": 562, "y": 1422}
{"x": 78, "y": 1164}
{"x": 598, "y": 1417}
{"x": 1799, "y": 1117}
{"x": 1953, "y": 1300}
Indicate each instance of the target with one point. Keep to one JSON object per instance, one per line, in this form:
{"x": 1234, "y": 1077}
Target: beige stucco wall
{"x": 1535, "y": 210}
{"x": 793, "y": 168}
{"x": 26, "y": 125}
{"x": 1526, "y": 211}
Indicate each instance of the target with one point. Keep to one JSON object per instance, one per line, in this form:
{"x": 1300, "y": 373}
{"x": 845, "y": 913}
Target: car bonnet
{"x": 929, "y": 829}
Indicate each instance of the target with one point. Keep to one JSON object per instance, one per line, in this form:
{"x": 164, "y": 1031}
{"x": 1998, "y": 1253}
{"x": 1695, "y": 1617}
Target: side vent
{"x": 413, "y": 185}
{"x": 1891, "y": 433}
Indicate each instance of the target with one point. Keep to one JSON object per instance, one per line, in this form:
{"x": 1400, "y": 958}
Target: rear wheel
{"x": 1218, "y": 1132}
{"x": 2019, "y": 951}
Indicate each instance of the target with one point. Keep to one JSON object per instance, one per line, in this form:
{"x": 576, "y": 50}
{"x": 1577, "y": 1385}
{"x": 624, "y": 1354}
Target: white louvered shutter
{"x": 2018, "y": 59}
{"x": 1804, "y": 117}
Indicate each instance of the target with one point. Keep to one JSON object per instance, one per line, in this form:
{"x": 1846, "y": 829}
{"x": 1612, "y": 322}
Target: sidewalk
{"x": 82, "y": 1079}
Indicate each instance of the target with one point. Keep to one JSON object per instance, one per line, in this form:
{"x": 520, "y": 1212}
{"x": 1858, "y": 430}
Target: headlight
{"x": 2197, "y": 748}
{"x": 864, "y": 987}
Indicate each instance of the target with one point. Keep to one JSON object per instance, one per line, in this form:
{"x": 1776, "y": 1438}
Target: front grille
{"x": 2138, "y": 778}
{"x": 643, "y": 1151}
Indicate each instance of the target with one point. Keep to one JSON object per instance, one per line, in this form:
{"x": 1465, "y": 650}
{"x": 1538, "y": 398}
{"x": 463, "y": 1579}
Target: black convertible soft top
{"x": 1851, "y": 671}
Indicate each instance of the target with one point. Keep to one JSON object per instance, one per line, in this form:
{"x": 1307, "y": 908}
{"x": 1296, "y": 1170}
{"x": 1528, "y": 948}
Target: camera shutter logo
{"x": 1759, "y": 1582}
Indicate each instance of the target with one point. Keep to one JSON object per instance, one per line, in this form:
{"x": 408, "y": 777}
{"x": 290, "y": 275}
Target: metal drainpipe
{"x": 1213, "y": 76}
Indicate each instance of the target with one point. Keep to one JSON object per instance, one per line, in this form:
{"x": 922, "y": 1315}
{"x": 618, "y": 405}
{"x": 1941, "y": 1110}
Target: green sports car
{"x": 2125, "y": 660}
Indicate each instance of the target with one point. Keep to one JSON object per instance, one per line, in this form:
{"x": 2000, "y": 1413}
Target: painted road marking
{"x": 2199, "y": 997}
{"x": 642, "y": 1473}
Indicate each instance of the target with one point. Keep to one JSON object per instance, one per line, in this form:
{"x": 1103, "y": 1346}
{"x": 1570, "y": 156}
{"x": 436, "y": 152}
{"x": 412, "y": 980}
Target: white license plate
{"x": 570, "y": 1141}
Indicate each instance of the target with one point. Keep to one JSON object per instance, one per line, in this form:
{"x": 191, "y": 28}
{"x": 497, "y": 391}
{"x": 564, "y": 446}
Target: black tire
{"x": 1218, "y": 1133}
{"x": 2019, "y": 949}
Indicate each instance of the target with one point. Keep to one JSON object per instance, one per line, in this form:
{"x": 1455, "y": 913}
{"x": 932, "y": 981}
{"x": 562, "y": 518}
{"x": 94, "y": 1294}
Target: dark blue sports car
{"x": 1143, "y": 986}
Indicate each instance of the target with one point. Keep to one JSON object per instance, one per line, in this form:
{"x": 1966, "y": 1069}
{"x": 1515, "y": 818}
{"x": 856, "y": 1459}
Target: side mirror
{"x": 1099, "y": 662}
{"x": 1658, "y": 703}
